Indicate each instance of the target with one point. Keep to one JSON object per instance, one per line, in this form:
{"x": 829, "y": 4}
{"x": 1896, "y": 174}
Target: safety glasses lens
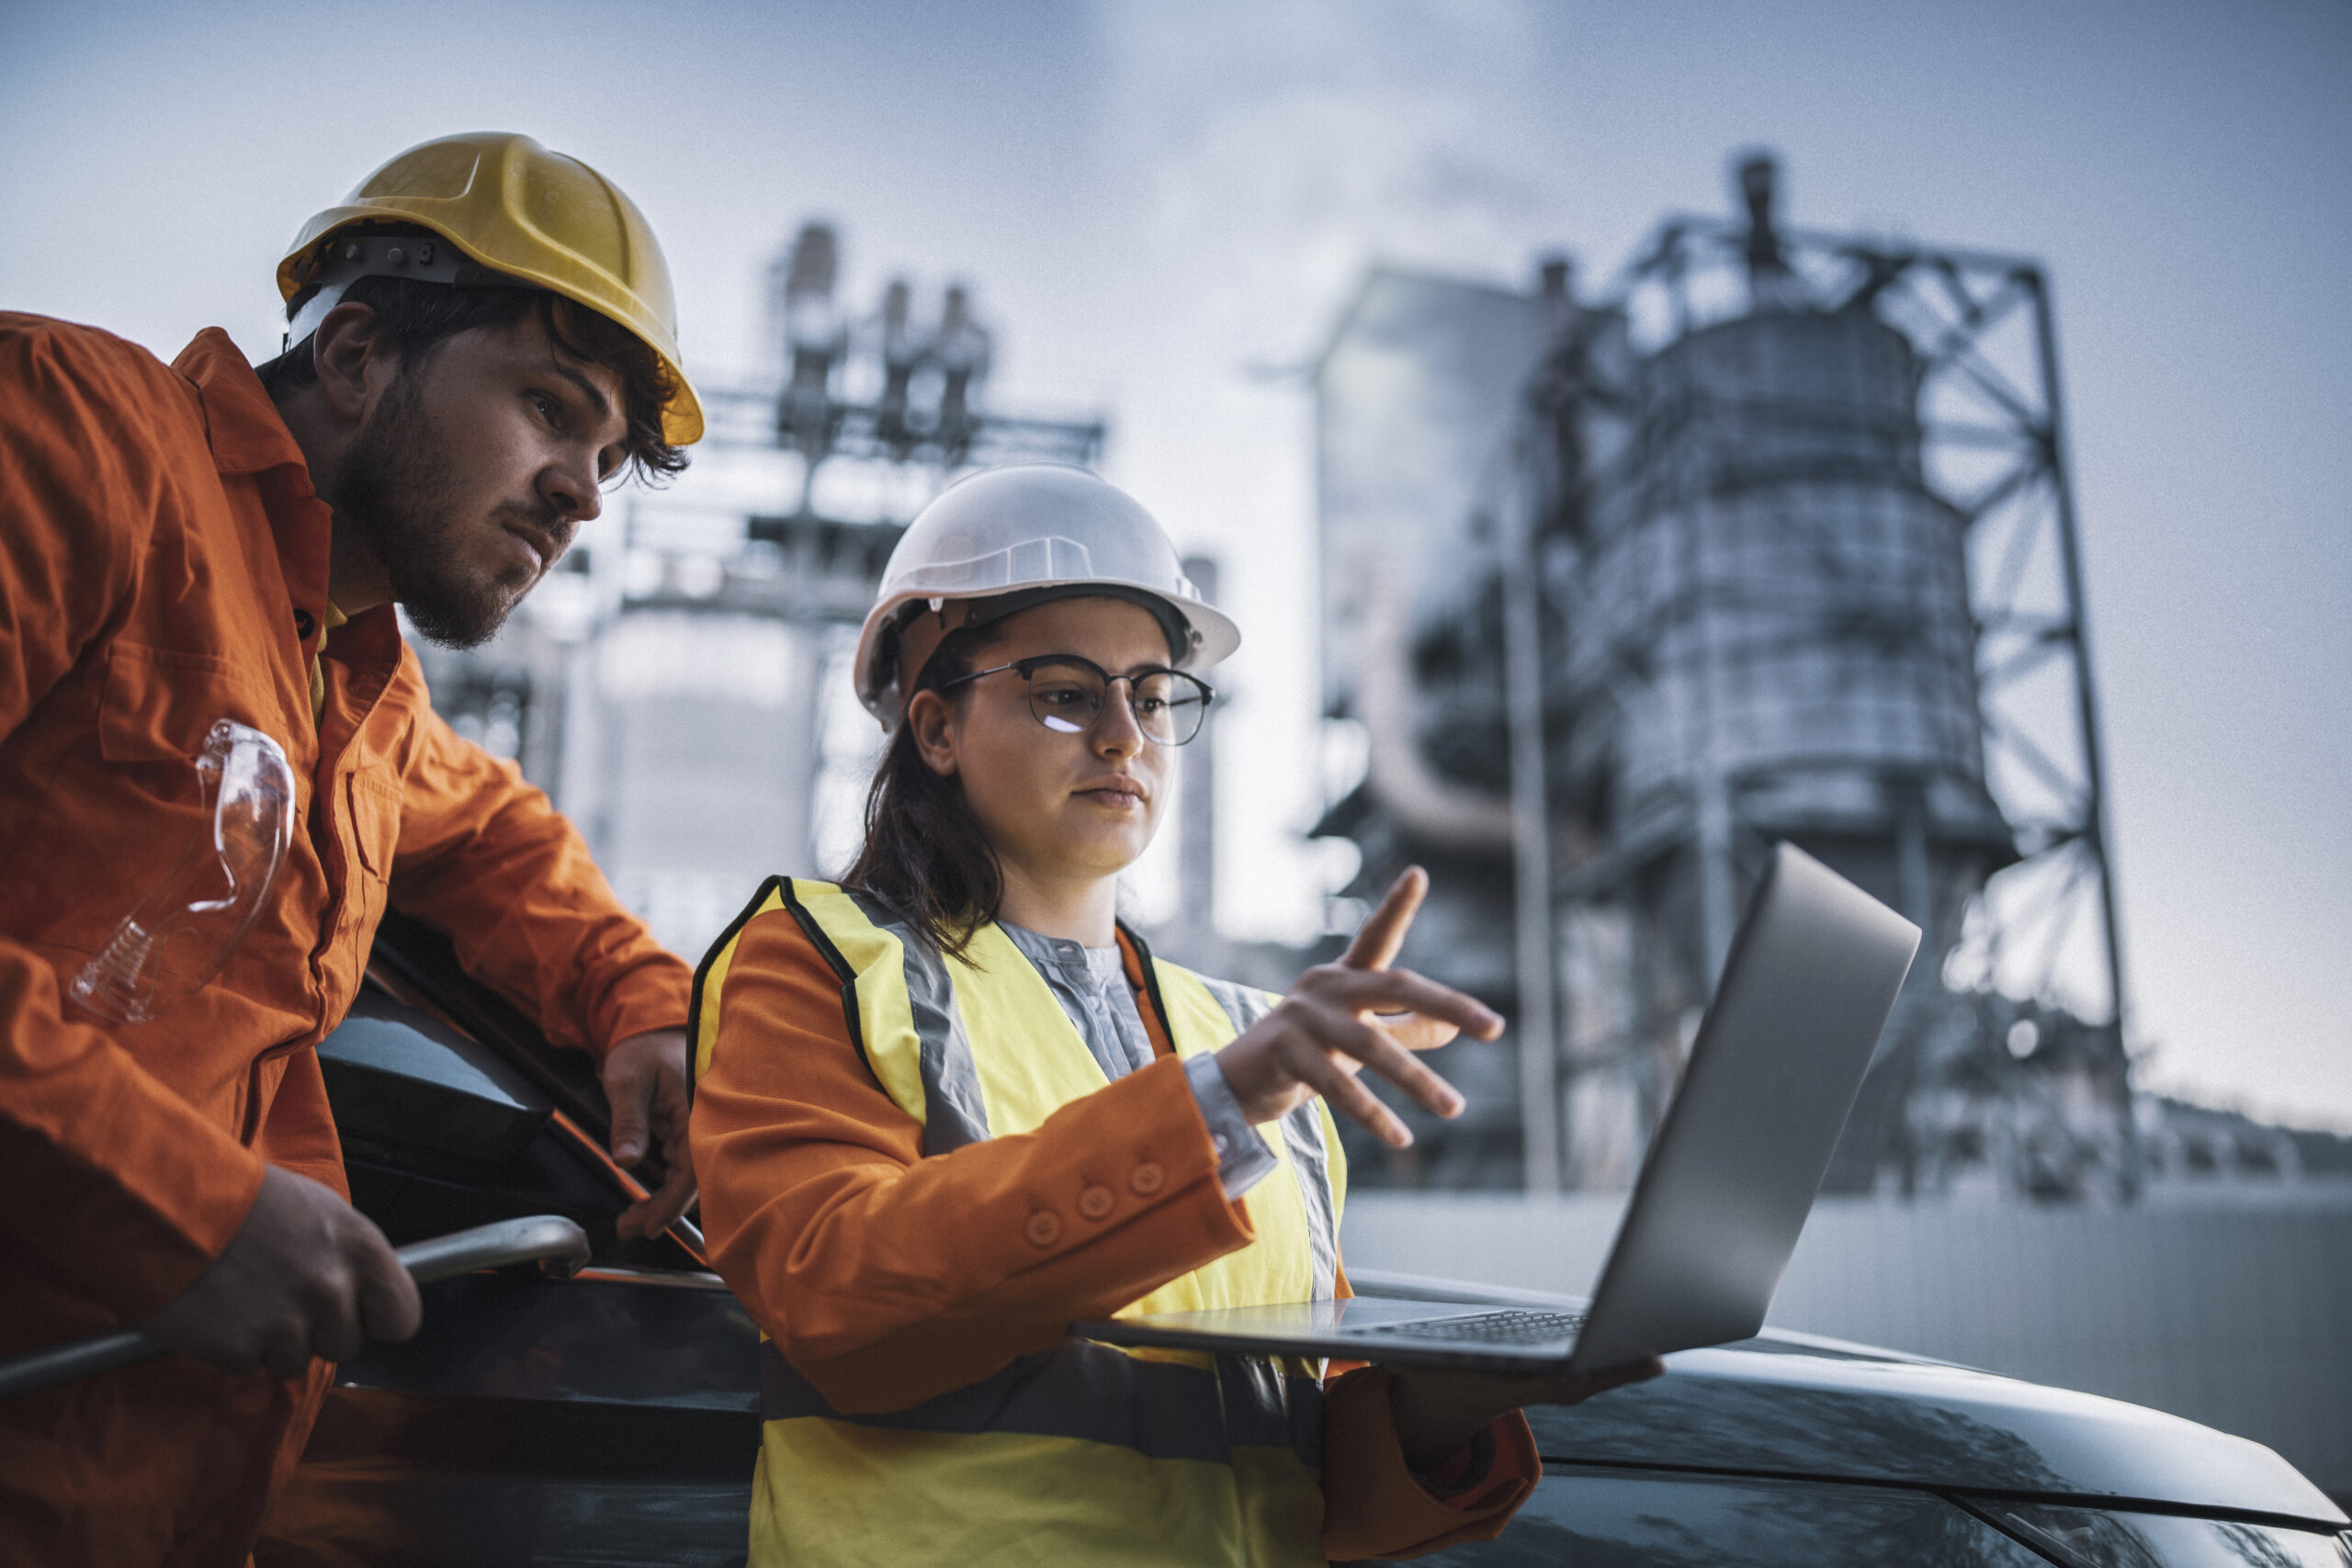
{"x": 182, "y": 931}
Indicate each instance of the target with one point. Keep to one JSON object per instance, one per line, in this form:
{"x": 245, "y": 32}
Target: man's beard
{"x": 390, "y": 489}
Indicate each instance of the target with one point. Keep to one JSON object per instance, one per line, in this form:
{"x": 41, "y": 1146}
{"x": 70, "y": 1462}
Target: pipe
{"x": 1430, "y": 806}
{"x": 1535, "y": 944}
{"x": 1196, "y": 803}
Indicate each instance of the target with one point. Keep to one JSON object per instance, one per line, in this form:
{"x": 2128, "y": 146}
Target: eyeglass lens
{"x": 1067, "y": 697}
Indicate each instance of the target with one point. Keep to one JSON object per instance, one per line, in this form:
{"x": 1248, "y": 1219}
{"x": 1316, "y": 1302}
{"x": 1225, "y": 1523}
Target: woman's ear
{"x": 930, "y": 721}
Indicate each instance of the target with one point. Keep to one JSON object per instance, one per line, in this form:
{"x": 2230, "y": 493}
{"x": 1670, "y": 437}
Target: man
{"x": 482, "y": 337}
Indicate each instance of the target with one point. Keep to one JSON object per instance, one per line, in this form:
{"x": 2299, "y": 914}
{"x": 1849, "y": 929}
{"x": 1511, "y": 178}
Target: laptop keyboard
{"x": 1488, "y": 1328}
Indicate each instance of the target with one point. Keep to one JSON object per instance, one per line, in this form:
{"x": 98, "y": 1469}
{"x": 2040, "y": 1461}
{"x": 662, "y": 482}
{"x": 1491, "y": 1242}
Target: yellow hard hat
{"x": 514, "y": 208}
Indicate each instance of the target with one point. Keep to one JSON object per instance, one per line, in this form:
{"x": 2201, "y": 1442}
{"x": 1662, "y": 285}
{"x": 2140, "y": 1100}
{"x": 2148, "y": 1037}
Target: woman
{"x": 949, "y": 1108}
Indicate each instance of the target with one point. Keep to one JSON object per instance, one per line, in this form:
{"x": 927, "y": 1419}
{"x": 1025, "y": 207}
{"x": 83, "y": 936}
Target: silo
{"x": 1771, "y": 539}
{"x": 1768, "y": 636}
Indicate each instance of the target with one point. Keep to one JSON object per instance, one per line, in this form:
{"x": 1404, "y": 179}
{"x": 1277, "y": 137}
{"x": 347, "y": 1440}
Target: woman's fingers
{"x": 1376, "y": 945}
{"x": 1413, "y": 1032}
{"x": 1320, "y": 1038}
{"x": 1309, "y": 1063}
{"x": 1342, "y": 1031}
{"x": 1321, "y": 1047}
{"x": 1401, "y": 990}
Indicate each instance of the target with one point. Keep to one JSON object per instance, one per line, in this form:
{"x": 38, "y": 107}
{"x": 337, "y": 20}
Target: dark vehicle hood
{"x": 1800, "y": 1406}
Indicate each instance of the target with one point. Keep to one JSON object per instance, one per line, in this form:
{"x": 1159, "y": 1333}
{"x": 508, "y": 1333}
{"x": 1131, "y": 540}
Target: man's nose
{"x": 570, "y": 489}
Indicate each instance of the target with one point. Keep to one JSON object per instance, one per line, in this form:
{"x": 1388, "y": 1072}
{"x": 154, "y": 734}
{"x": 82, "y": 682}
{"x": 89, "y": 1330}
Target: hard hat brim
{"x": 681, "y": 416}
{"x": 1218, "y": 636}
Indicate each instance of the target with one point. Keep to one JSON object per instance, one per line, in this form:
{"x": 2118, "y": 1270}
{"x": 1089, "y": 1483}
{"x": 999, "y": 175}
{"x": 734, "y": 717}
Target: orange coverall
{"x": 887, "y": 1279}
{"x": 163, "y": 565}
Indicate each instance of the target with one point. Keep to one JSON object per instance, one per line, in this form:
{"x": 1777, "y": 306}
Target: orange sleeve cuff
{"x": 1373, "y": 1505}
{"x": 652, "y": 996}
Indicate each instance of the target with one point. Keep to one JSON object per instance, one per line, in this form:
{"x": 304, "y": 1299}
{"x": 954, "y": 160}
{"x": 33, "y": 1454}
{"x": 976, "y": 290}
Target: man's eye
{"x": 1060, "y": 696}
{"x": 1151, "y": 705}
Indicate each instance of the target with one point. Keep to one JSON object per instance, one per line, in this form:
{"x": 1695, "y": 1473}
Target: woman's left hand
{"x": 1438, "y": 1412}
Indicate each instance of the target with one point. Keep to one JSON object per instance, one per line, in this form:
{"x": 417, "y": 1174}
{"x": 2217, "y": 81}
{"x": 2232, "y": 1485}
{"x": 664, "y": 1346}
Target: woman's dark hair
{"x": 926, "y": 858}
{"x": 417, "y": 317}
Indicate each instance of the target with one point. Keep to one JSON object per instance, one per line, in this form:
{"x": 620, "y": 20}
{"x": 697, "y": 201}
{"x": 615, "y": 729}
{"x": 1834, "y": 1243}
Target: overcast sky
{"x": 1152, "y": 199}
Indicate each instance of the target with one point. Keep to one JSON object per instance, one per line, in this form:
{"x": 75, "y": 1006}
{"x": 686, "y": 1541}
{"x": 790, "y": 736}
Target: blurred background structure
{"x": 1771, "y": 537}
{"x": 1775, "y": 540}
{"x": 681, "y": 687}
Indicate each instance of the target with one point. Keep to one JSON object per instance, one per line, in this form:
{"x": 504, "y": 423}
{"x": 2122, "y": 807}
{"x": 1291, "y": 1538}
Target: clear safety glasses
{"x": 1067, "y": 694}
{"x": 183, "y": 931}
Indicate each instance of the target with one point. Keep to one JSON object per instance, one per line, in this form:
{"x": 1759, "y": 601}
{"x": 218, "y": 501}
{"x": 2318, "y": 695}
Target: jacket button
{"x": 1146, "y": 1179}
{"x": 1043, "y": 1229}
{"x": 1095, "y": 1202}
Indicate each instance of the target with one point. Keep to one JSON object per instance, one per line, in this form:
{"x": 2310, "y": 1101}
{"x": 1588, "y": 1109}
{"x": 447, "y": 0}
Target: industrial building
{"x": 1770, "y": 538}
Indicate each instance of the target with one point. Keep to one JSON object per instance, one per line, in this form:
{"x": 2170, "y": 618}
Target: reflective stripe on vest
{"x": 975, "y": 1047}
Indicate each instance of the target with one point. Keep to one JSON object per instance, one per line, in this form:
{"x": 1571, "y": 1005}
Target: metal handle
{"x": 558, "y": 1244}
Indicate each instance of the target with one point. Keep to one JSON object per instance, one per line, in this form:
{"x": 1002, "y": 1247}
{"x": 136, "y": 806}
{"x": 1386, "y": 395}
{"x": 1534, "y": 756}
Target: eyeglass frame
{"x": 1025, "y": 667}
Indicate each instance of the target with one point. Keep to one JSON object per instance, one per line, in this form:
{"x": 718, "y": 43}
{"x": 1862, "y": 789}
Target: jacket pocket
{"x": 373, "y": 795}
{"x": 372, "y": 811}
{"x": 161, "y": 703}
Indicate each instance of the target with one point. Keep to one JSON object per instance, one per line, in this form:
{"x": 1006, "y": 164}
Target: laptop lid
{"x": 1723, "y": 1195}
{"x": 1806, "y": 990}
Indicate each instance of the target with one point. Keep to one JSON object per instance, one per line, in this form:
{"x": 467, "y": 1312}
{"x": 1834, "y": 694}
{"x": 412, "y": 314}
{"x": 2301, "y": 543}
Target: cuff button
{"x": 1043, "y": 1228}
{"x": 1095, "y": 1202}
{"x": 1146, "y": 1179}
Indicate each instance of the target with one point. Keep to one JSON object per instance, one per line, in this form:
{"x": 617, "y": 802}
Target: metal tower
{"x": 1775, "y": 540}
{"x": 1815, "y": 544}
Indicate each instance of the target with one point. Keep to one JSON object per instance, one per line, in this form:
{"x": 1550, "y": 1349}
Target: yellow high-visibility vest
{"x": 1089, "y": 1453}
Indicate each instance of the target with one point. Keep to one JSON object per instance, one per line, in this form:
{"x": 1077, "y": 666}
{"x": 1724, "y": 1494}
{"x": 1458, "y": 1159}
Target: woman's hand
{"x": 1438, "y": 1412}
{"x": 1342, "y": 1018}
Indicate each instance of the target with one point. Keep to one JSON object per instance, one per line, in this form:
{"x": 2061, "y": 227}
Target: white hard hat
{"x": 1024, "y": 534}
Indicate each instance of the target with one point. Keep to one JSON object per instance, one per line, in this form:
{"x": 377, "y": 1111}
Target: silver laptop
{"x": 1812, "y": 976}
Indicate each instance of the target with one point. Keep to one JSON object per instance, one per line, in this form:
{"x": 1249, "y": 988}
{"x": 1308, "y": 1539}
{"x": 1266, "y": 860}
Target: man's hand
{"x": 1438, "y": 1412}
{"x": 645, "y": 1085}
{"x": 1342, "y": 1018}
{"x": 306, "y": 1275}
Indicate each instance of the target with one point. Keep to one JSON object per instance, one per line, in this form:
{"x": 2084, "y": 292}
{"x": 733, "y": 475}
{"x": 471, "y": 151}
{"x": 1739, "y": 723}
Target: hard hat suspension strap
{"x": 346, "y": 258}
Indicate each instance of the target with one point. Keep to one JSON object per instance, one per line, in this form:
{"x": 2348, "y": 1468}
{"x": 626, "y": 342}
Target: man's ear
{"x": 351, "y": 360}
{"x": 930, "y": 720}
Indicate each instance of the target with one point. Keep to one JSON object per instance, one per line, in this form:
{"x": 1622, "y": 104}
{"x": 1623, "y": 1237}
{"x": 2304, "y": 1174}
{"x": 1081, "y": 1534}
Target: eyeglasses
{"x": 1067, "y": 694}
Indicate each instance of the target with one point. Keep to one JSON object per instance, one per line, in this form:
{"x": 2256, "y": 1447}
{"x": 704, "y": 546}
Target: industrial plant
{"x": 1770, "y": 536}
{"x": 1772, "y": 539}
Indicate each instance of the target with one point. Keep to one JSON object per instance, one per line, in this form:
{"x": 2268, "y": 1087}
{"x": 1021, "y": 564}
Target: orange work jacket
{"x": 885, "y": 1277}
{"x": 163, "y": 565}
